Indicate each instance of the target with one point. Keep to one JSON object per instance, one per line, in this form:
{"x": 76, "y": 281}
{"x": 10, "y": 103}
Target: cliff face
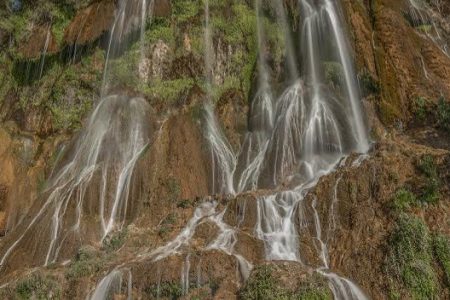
{"x": 384, "y": 216}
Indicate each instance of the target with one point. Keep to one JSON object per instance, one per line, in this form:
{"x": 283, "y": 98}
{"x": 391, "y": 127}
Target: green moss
{"x": 409, "y": 262}
{"x": 186, "y": 10}
{"x": 161, "y": 29}
{"x": 39, "y": 287}
{"x": 441, "y": 247}
{"x": 71, "y": 95}
{"x": 168, "y": 90}
{"x": 426, "y": 28}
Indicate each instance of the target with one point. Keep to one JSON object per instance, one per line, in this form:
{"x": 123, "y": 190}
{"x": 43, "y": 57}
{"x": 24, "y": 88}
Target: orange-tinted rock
{"x": 162, "y": 8}
{"x": 90, "y": 23}
{"x": 41, "y": 40}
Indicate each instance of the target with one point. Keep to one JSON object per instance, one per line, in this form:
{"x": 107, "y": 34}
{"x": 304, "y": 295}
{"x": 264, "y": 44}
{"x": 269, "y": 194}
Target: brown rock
{"x": 162, "y": 8}
{"x": 41, "y": 40}
{"x": 90, "y": 23}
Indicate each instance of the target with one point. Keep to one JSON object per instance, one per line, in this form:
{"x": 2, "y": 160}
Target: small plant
{"x": 86, "y": 263}
{"x": 185, "y": 203}
{"x": 427, "y": 166}
{"x": 441, "y": 248}
{"x": 420, "y": 108}
{"x": 37, "y": 286}
{"x": 114, "y": 241}
{"x": 430, "y": 193}
{"x": 426, "y": 28}
{"x": 315, "y": 289}
{"x": 262, "y": 285}
{"x": 409, "y": 262}
{"x": 169, "y": 290}
{"x": 174, "y": 189}
{"x": 443, "y": 114}
{"x": 368, "y": 84}
{"x": 170, "y": 219}
{"x": 403, "y": 200}
{"x": 166, "y": 225}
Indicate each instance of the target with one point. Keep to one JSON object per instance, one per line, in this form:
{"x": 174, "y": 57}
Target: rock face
{"x": 178, "y": 240}
{"x": 90, "y": 23}
{"x": 41, "y": 42}
{"x": 162, "y": 8}
{"x": 406, "y": 70}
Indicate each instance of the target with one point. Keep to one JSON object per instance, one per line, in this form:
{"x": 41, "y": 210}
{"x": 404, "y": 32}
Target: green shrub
{"x": 86, "y": 263}
{"x": 114, "y": 241}
{"x": 263, "y": 285}
{"x": 174, "y": 189}
{"x": 403, "y": 200}
{"x": 443, "y": 114}
{"x": 420, "y": 108}
{"x": 168, "y": 290}
{"x": 38, "y": 287}
{"x": 186, "y": 10}
{"x": 427, "y": 166}
{"x": 430, "y": 192}
{"x": 441, "y": 247}
{"x": 315, "y": 289}
{"x": 409, "y": 260}
{"x": 168, "y": 90}
{"x": 368, "y": 84}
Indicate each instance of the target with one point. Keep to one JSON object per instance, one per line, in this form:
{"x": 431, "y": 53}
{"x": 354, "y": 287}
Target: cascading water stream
{"x": 301, "y": 136}
{"x": 88, "y": 196}
{"x": 223, "y": 160}
{"x": 44, "y": 52}
{"x": 129, "y": 25}
{"x": 290, "y": 52}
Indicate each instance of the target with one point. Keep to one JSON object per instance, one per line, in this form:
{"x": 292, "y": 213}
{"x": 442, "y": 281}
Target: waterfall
{"x": 298, "y": 137}
{"x": 111, "y": 285}
{"x": 223, "y": 160}
{"x": 96, "y": 171}
{"x": 129, "y": 25}
{"x": 290, "y": 52}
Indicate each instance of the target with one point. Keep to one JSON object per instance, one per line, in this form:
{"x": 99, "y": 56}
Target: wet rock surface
{"x": 396, "y": 65}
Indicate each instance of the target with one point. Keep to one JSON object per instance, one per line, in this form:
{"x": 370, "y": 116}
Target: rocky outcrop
{"x": 41, "y": 41}
{"x": 162, "y": 8}
{"x": 404, "y": 64}
{"x": 90, "y": 23}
